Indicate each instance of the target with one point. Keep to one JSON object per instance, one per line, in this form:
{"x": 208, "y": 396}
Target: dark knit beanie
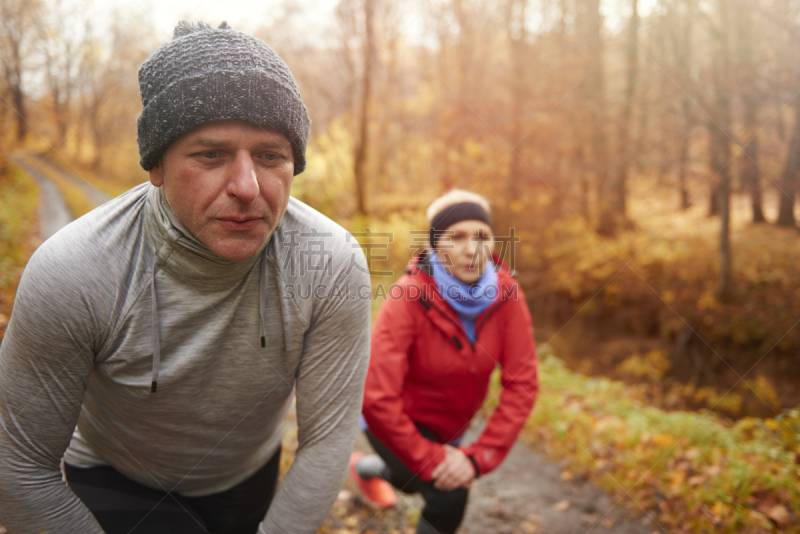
{"x": 207, "y": 74}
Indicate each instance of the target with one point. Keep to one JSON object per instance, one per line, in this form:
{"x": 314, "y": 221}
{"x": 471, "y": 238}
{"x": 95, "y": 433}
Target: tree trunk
{"x": 714, "y": 194}
{"x": 747, "y": 74}
{"x": 720, "y": 146}
{"x": 788, "y": 185}
{"x": 680, "y": 34}
{"x": 519, "y": 92}
{"x": 359, "y": 167}
{"x": 749, "y": 172}
{"x": 683, "y": 152}
{"x": 612, "y": 207}
{"x": 591, "y": 92}
{"x": 17, "y": 96}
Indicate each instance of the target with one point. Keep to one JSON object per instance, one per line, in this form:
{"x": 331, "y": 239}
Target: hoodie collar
{"x": 179, "y": 252}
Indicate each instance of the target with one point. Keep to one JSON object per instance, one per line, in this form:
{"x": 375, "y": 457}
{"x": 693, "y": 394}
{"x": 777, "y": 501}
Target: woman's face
{"x": 464, "y": 248}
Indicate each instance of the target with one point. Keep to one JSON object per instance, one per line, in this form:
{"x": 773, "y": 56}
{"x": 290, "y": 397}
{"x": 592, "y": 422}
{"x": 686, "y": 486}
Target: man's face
{"x": 228, "y": 183}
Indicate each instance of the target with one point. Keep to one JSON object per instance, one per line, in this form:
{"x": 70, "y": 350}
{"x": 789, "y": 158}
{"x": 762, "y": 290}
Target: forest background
{"x": 642, "y": 158}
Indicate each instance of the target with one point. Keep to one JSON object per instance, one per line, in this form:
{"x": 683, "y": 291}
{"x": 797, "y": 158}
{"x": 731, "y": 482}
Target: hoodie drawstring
{"x": 262, "y": 302}
{"x": 156, "y": 340}
{"x": 262, "y": 298}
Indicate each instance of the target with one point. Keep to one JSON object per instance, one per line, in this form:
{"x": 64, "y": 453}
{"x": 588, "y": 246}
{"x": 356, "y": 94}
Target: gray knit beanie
{"x": 207, "y": 74}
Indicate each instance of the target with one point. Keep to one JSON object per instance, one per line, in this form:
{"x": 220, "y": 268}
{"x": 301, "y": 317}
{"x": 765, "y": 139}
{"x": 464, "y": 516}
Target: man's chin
{"x": 238, "y": 249}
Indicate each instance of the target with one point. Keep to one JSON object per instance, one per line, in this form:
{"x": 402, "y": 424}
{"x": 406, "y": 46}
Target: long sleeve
{"x": 520, "y": 385}
{"x": 329, "y": 386}
{"x": 393, "y": 336}
{"x": 45, "y": 361}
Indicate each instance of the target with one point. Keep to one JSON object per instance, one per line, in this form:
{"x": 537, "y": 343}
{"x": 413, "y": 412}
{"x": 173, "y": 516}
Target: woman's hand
{"x": 455, "y": 471}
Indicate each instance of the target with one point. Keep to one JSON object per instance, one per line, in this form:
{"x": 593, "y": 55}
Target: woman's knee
{"x": 444, "y": 510}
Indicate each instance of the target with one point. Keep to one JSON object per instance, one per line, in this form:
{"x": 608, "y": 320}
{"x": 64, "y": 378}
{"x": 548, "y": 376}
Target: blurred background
{"x": 642, "y": 158}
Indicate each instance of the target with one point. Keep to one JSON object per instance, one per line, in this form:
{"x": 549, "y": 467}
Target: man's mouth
{"x": 238, "y": 223}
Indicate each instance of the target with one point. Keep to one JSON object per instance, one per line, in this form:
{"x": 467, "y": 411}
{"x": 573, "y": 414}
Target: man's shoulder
{"x": 315, "y": 244}
{"x": 95, "y": 245}
{"x": 301, "y": 217}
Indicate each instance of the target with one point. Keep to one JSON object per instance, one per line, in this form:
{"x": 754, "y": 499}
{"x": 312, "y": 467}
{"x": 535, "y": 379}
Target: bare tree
{"x": 680, "y": 19}
{"x": 520, "y": 91}
{"x": 362, "y": 144}
{"x": 591, "y": 95}
{"x": 60, "y": 41}
{"x": 17, "y": 19}
{"x": 612, "y": 205}
{"x": 719, "y": 139}
{"x": 791, "y": 171}
{"x": 747, "y": 74}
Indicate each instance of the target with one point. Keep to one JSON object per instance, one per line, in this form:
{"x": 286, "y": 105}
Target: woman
{"x": 456, "y": 315}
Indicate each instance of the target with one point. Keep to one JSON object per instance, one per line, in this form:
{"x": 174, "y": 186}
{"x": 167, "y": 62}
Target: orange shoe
{"x": 376, "y": 491}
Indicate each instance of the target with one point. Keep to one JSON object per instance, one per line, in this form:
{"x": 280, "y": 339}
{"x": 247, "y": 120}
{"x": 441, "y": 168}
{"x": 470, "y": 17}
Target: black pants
{"x": 443, "y": 510}
{"x": 123, "y": 506}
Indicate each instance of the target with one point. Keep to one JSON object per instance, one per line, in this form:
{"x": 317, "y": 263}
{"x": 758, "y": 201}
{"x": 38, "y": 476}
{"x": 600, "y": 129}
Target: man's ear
{"x": 157, "y": 173}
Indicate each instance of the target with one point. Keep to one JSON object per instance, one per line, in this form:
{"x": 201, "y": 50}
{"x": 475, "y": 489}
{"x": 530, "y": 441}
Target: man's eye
{"x": 271, "y": 156}
{"x": 210, "y": 154}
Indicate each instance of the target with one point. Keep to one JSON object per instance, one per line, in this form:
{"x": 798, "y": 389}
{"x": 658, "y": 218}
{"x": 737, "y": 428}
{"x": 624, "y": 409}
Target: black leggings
{"x": 443, "y": 510}
{"x": 123, "y": 506}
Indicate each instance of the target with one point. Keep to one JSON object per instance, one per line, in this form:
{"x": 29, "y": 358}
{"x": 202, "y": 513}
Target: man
{"x": 150, "y": 345}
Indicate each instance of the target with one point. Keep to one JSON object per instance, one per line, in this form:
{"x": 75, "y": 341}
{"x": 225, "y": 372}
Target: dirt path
{"x": 94, "y": 196}
{"x": 525, "y": 495}
{"x": 53, "y": 211}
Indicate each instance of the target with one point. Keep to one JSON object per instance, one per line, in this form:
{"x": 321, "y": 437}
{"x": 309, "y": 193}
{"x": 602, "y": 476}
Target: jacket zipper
{"x": 457, "y": 325}
{"x": 486, "y": 317}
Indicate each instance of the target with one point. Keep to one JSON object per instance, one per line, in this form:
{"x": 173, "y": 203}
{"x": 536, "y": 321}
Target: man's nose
{"x": 242, "y": 179}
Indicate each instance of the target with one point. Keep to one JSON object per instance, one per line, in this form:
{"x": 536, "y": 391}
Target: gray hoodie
{"x": 227, "y": 342}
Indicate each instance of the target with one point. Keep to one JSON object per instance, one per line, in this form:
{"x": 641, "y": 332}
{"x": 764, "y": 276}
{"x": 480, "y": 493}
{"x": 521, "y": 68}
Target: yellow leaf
{"x": 695, "y": 481}
{"x": 779, "y": 514}
{"x": 663, "y": 440}
{"x": 560, "y": 506}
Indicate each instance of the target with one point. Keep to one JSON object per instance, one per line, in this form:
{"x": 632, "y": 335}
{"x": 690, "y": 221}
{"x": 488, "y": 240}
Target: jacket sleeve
{"x": 46, "y": 358}
{"x": 392, "y": 339}
{"x": 520, "y": 385}
{"x": 329, "y": 386}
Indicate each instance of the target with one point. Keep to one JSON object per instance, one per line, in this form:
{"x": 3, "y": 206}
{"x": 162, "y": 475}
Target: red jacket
{"x": 424, "y": 370}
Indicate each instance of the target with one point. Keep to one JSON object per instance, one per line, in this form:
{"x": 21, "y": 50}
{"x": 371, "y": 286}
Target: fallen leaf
{"x": 566, "y": 475}
{"x": 720, "y": 510}
{"x": 497, "y": 513}
{"x": 344, "y": 495}
{"x": 529, "y": 527}
{"x": 560, "y": 506}
{"x": 589, "y": 519}
{"x": 693, "y": 453}
{"x": 608, "y": 522}
{"x": 351, "y": 521}
{"x": 713, "y": 470}
{"x": 695, "y": 480}
{"x": 779, "y": 514}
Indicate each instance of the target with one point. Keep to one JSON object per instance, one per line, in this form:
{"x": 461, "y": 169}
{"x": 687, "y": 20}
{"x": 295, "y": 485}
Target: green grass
{"x": 18, "y": 202}
{"x": 693, "y": 472}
